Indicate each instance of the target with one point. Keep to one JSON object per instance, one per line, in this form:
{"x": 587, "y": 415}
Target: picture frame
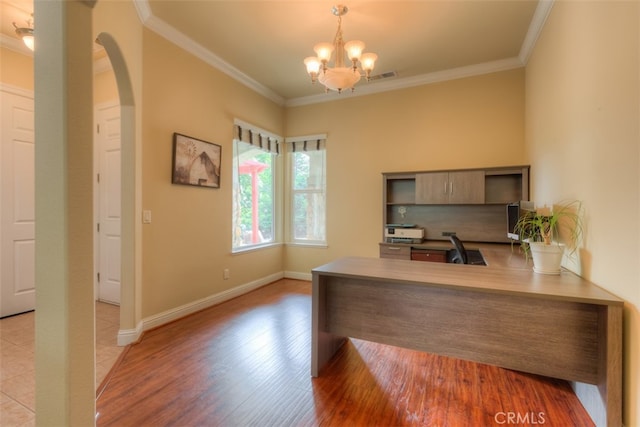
{"x": 195, "y": 162}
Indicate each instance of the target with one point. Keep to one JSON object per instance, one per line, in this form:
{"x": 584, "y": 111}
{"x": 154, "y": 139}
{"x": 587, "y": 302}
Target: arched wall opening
{"x": 128, "y": 303}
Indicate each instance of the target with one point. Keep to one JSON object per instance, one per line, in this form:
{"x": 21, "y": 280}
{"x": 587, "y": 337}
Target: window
{"x": 308, "y": 191}
{"x": 254, "y": 188}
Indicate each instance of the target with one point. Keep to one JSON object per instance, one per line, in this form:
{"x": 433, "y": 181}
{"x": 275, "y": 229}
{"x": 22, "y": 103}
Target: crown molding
{"x": 15, "y": 90}
{"x": 535, "y": 28}
{"x": 99, "y": 66}
{"x": 402, "y": 83}
{"x": 142, "y": 9}
{"x": 179, "y": 39}
{"x": 163, "y": 29}
{"x": 15, "y": 44}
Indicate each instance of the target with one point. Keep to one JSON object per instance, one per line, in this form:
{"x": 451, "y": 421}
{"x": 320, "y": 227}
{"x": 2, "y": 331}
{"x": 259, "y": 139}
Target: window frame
{"x": 257, "y": 137}
{"x": 291, "y": 153}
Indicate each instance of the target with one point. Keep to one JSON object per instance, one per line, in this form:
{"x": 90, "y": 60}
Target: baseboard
{"x": 297, "y": 275}
{"x": 129, "y": 336}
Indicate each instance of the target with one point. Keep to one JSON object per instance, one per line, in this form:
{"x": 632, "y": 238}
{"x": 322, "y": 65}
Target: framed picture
{"x": 195, "y": 162}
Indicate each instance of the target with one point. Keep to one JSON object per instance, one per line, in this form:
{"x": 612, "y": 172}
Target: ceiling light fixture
{"x": 339, "y": 77}
{"x": 26, "y": 34}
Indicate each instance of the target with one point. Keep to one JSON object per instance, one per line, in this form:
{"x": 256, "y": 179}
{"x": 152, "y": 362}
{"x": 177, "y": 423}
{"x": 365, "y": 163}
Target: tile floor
{"x": 17, "y": 371}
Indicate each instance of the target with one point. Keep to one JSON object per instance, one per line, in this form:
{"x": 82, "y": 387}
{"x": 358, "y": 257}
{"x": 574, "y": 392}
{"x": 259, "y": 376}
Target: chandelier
{"x": 26, "y": 33}
{"x": 339, "y": 77}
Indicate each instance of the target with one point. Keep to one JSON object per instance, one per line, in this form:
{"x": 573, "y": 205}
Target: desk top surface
{"x": 506, "y": 273}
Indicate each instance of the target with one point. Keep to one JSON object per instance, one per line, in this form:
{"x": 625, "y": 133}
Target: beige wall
{"x": 104, "y": 88}
{"x": 582, "y": 137}
{"x": 188, "y": 244}
{"x": 16, "y": 69}
{"x": 581, "y": 103}
{"x": 465, "y": 123}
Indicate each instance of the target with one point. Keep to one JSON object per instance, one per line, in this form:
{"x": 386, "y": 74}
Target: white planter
{"x": 547, "y": 258}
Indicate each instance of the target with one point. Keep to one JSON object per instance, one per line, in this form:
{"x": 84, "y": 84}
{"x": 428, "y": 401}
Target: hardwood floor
{"x": 246, "y": 362}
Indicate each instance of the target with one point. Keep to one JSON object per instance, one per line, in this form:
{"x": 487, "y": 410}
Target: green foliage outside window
{"x": 243, "y": 216}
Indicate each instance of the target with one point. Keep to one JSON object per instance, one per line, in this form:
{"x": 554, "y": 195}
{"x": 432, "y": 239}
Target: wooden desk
{"x": 503, "y": 314}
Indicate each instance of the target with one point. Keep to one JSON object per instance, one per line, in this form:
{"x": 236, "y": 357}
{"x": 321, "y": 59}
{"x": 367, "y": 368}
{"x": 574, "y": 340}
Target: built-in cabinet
{"x": 470, "y": 203}
{"x": 465, "y": 187}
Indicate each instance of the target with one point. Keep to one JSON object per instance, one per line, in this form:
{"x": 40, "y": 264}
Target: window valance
{"x": 257, "y": 137}
{"x": 307, "y": 143}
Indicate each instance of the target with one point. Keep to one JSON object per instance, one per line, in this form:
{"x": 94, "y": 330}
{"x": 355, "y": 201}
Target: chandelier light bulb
{"x": 368, "y": 61}
{"x": 354, "y": 49}
{"x": 313, "y": 67}
{"x": 324, "y": 51}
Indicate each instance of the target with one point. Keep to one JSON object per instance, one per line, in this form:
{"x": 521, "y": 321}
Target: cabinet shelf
{"x": 400, "y": 190}
{"x": 474, "y": 208}
{"x": 503, "y": 188}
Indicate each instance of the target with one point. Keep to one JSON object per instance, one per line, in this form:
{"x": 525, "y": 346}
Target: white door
{"x": 17, "y": 198}
{"x": 107, "y": 149}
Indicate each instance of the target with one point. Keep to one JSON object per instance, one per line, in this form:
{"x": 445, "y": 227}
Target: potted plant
{"x": 545, "y": 233}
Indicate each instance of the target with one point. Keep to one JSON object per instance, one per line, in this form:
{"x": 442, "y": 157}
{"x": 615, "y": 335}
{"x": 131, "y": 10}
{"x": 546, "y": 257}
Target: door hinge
{"x": 98, "y": 277}
{"x": 98, "y": 227}
{"x": 98, "y": 128}
{"x": 98, "y": 178}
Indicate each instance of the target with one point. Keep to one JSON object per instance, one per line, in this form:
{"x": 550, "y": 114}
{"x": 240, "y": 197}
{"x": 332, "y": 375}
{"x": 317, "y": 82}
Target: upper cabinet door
{"x": 466, "y": 187}
{"x": 441, "y": 188}
{"x": 432, "y": 188}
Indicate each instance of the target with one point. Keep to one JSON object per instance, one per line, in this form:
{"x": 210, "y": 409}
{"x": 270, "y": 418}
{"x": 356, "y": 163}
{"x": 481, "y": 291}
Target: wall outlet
{"x": 448, "y": 233}
{"x": 225, "y": 274}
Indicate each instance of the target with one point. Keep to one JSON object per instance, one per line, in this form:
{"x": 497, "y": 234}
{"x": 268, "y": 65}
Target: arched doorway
{"x": 128, "y": 188}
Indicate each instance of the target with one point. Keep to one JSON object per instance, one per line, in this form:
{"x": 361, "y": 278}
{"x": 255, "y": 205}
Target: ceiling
{"x": 263, "y": 43}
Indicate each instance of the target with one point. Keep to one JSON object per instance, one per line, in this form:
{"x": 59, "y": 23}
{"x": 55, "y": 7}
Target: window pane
{"x": 309, "y": 216}
{"x": 253, "y": 196}
{"x": 308, "y": 170}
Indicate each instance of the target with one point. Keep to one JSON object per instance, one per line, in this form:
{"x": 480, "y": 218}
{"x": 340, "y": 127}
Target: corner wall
{"x": 188, "y": 243}
{"x": 582, "y": 136}
{"x": 465, "y": 123}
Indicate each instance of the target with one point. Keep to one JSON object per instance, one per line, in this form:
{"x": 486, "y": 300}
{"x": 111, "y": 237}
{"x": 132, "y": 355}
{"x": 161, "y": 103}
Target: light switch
{"x": 146, "y": 217}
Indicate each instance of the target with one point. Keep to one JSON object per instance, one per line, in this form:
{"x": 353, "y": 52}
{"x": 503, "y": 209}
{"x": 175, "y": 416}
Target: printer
{"x": 403, "y": 233}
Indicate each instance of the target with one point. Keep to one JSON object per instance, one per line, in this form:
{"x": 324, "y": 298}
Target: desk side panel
{"x": 323, "y": 344}
{"x": 535, "y": 335}
{"x": 610, "y": 382}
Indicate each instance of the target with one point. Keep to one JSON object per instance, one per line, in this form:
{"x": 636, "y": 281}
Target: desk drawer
{"x": 395, "y": 251}
{"x": 432, "y": 255}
